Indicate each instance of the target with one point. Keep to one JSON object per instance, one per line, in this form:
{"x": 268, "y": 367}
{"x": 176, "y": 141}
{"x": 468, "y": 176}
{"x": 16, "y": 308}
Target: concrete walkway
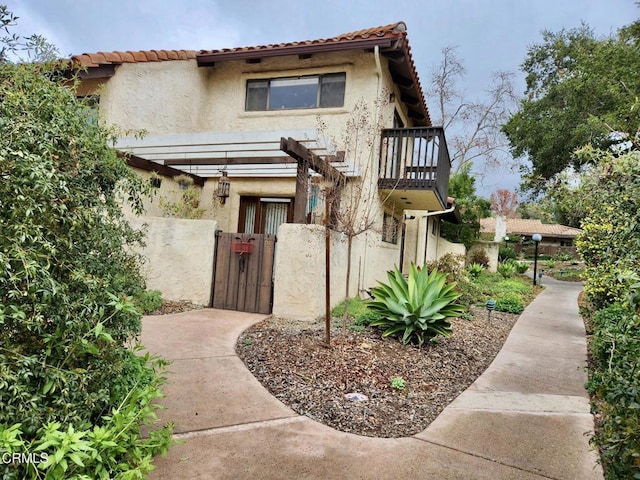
{"x": 525, "y": 418}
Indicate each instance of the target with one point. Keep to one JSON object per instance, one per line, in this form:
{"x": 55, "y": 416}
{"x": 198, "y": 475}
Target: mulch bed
{"x": 291, "y": 361}
{"x": 169, "y": 307}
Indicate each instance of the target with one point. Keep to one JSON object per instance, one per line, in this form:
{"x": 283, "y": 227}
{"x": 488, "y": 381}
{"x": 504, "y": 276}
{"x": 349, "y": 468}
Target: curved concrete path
{"x": 526, "y": 417}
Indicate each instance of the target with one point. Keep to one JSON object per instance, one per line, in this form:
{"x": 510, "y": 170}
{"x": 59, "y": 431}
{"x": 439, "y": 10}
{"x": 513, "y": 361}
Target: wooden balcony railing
{"x": 414, "y": 159}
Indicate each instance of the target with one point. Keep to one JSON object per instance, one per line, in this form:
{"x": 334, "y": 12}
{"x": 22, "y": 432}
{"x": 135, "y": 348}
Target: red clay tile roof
{"x": 394, "y": 30}
{"x": 391, "y": 39}
{"x": 521, "y": 226}
{"x": 116, "y": 58}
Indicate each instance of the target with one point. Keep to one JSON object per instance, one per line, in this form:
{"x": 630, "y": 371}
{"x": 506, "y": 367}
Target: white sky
{"x": 491, "y": 35}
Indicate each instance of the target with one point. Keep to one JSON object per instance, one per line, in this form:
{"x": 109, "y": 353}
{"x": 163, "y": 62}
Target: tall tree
{"x": 473, "y": 127}
{"x": 504, "y": 203}
{"x": 472, "y": 208}
{"x": 580, "y": 90}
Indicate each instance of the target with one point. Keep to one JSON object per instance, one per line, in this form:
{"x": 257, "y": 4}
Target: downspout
{"x": 432, "y": 214}
{"x": 373, "y": 185}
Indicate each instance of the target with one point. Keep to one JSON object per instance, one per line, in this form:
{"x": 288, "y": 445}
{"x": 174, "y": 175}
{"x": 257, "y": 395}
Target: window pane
{"x": 257, "y": 93}
{"x": 276, "y": 214}
{"x": 293, "y": 93}
{"x": 332, "y": 90}
{"x": 250, "y": 218}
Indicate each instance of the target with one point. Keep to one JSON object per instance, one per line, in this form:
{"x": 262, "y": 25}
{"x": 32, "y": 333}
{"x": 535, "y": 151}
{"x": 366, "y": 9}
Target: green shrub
{"x": 506, "y": 253}
{"x": 115, "y": 449}
{"x": 68, "y": 274}
{"x": 521, "y": 267}
{"x": 509, "y": 303}
{"x": 551, "y": 263}
{"x": 416, "y": 308}
{"x": 475, "y": 269}
{"x": 357, "y": 311}
{"x": 478, "y": 256}
{"x": 451, "y": 265}
{"x": 564, "y": 257}
{"x": 507, "y": 269}
{"x": 148, "y": 301}
{"x": 615, "y": 381}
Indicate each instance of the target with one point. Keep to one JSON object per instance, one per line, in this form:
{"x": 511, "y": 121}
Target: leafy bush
{"x": 478, "y": 256}
{"x": 510, "y": 303}
{"x": 521, "y": 267}
{"x": 608, "y": 244}
{"x": 451, "y": 265}
{"x": 615, "y": 382}
{"x": 115, "y": 449}
{"x": 564, "y": 257}
{"x": 67, "y": 277}
{"x": 551, "y": 263}
{"x": 506, "y": 253}
{"x": 415, "y": 308}
{"x": 475, "y": 269}
{"x": 148, "y": 301}
{"x": 507, "y": 269}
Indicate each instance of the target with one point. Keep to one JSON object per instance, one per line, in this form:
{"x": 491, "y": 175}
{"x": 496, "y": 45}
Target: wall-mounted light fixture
{"x": 224, "y": 185}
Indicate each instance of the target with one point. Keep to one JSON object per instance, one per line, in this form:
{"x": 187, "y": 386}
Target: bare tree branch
{"x": 473, "y": 128}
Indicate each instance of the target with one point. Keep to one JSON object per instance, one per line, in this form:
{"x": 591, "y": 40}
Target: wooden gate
{"x": 243, "y": 274}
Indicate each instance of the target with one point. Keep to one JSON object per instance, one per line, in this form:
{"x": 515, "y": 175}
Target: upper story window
{"x": 310, "y": 91}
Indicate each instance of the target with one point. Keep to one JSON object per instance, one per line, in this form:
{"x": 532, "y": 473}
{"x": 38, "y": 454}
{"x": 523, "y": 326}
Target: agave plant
{"x": 475, "y": 269}
{"x": 417, "y": 307}
{"x": 507, "y": 269}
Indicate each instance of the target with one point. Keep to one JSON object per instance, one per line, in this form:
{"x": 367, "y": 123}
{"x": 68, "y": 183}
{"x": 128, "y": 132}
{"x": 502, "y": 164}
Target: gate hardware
{"x": 242, "y": 247}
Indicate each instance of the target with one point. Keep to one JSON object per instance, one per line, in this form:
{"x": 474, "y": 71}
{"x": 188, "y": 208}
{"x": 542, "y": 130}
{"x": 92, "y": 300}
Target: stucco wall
{"x": 491, "y": 249}
{"x": 299, "y": 290}
{"x": 445, "y": 247}
{"x": 180, "y": 97}
{"x": 179, "y": 257}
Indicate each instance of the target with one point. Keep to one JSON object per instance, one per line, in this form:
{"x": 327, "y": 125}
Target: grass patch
{"x": 357, "y": 312}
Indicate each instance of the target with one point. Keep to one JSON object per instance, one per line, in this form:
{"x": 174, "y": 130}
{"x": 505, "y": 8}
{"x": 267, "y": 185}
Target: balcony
{"x": 414, "y": 168}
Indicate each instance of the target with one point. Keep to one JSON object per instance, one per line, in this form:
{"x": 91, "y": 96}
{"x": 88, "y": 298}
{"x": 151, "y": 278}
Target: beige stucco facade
{"x": 299, "y": 291}
{"x": 179, "y": 256}
{"x": 179, "y": 97}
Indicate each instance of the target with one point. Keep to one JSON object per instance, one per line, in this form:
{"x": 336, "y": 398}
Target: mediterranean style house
{"x": 280, "y": 140}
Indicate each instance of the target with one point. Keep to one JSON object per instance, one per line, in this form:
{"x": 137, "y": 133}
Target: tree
{"x": 581, "y": 90}
{"x": 472, "y": 208}
{"x": 69, "y": 282}
{"x": 535, "y": 210}
{"x": 504, "y": 203}
{"x": 473, "y": 127}
{"x": 356, "y": 202}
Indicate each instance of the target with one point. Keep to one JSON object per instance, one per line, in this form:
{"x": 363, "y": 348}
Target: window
{"x": 311, "y": 91}
{"x": 264, "y": 215}
{"x": 390, "y": 228}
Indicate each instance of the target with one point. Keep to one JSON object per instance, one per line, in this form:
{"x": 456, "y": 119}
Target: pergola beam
{"x": 301, "y": 153}
{"x": 307, "y": 160}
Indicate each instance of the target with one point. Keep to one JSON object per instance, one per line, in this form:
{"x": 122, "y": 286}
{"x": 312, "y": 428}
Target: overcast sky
{"x": 491, "y": 35}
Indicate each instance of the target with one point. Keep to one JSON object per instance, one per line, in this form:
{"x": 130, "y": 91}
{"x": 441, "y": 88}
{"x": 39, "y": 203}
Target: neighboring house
{"x": 520, "y": 230}
{"x": 266, "y": 131}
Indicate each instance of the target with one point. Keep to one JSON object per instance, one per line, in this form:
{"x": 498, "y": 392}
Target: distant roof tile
{"x": 522, "y": 226}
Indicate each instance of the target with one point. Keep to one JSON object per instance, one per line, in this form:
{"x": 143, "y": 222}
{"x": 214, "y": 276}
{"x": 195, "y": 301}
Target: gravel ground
{"x": 291, "y": 361}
